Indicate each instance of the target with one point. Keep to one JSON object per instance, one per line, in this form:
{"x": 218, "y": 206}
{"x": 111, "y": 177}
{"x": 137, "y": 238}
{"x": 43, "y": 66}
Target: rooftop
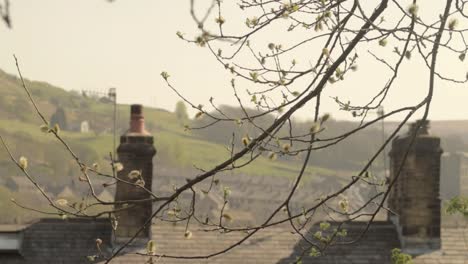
{"x": 72, "y": 240}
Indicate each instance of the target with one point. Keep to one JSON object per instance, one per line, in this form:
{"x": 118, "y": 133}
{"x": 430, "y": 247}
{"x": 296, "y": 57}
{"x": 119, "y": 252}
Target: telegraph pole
{"x": 381, "y": 113}
{"x": 113, "y": 96}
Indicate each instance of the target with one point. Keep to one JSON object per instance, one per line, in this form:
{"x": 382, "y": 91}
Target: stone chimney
{"x": 135, "y": 152}
{"x": 415, "y": 195}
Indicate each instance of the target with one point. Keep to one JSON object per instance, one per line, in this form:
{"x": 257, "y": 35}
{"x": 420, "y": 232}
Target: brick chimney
{"x": 135, "y": 152}
{"x": 415, "y": 195}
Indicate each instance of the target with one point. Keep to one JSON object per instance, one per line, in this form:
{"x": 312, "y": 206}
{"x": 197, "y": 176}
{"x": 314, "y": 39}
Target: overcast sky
{"x": 93, "y": 45}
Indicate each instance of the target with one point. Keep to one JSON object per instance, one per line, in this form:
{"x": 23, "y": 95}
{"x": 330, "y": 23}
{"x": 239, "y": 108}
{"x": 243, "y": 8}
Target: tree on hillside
{"x": 181, "y": 112}
{"x": 59, "y": 117}
{"x": 290, "y": 55}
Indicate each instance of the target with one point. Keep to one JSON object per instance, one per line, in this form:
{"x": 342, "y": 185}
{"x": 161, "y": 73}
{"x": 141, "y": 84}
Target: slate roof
{"x": 381, "y": 238}
{"x": 55, "y": 241}
{"x": 70, "y": 241}
{"x": 374, "y": 248}
{"x": 268, "y": 246}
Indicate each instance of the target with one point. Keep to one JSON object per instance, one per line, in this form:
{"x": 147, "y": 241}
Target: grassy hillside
{"x": 53, "y": 167}
{"x": 176, "y": 147}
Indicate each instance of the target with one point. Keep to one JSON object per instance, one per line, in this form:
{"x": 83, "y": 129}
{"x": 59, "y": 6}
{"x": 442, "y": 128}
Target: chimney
{"x": 415, "y": 195}
{"x": 135, "y": 152}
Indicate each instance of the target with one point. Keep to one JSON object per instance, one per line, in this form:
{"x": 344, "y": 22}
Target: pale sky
{"x": 94, "y": 45}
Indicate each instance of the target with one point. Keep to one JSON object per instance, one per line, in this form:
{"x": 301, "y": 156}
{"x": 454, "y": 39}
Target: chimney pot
{"x": 136, "y": 109}
{"x": 137, "y": 121}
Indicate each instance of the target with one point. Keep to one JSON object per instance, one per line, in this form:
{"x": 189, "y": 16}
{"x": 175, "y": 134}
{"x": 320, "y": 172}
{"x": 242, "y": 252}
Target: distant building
{"x": 84, "y": 127}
